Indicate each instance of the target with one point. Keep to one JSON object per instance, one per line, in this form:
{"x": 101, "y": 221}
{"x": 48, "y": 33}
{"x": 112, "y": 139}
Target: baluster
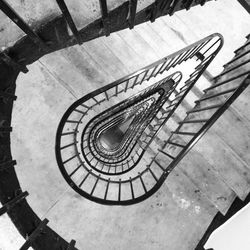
{"x": 159, "y": 165}
{"x": 165, "y": 153}
{"x": 193, "y": 121}
{"x": 169, "y": 63}
{"x": 153, "y": 174}
{"x": 126, "y": 87}
{"x": 71, "y": 245}
{"x": 106, "y": 191}
{"x": 105, "y": 17}
{"x": 146, "y": 72}
{"x": 75, "y": 170}
{"x": 131, "y": 188}
{"x": 166, "y": 7}
{"x": 13, "y": 63}
{"x": 132, "y": 13}
{"x": 7, "y": 96}
{"x": 152, "y": 74}
{"x": 215, "y": 95}
{"x": 79, "y": 111}
{"x": 176, "y": 144}
{"x": 37, "y": 232}
{"x": 106, "y": 95}
{"x": 161, "y": 67}
{"x": 135, "y": 81}
{"x": 84, "y": 179}
{"x": 183, "y": 133}
{"x": 97, "y": 102}
{"x": 116, "y": 90}
{"x": 177, "y": 60}
{"x": 204, "y": 108}
{"x": 188, "y": 4}
{"x": 119, "y": 192}
{"x": 70, "y": 133}
{"x": 67, "y": 16}
{"x": 173, "y": 7}
{"x": 142, "y": 182}
{"x": 71, "y": 158}
{"x": 211, "y": 46}
{"x": 184, "y": 54}
{"x": 12, "y": 203}
{"x": 72, "y": 121}
{"x": 93, "y": 189}
{"x": 7, "y": 164}
{"x": 85, "y": 106}
{"x": 5, "y": 131}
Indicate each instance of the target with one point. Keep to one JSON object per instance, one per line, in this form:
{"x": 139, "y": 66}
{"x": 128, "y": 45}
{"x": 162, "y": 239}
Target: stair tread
{"x": 184, "y": 188}
{"x": 236, "y": 136}
{"x": 198, "y": 168}
{"x": 234, "y": 172}
{"x": 218, "y": 153}
{"x": 201, "y": 172}
{"x": 124, "y": 52}
{"x": 139, "y": 47}
{"x": 67, "y": 73}
{"x": 99, "y": 52}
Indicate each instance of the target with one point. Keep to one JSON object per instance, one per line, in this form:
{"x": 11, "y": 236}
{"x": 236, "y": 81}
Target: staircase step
{"x": 192, "y": 201}
{"x": 138, "y": 45}
{"x": 235, "y": 133}
{"x": 68, "y": 75}
{"x": 196, "y": 167}
{"x": 201, "y": 172}
{"x": 231, "y": 170}
{"x": 157, "y": 43}
{"x": 167, "y": 34}
{"x": 187, "y": 194}
{"x": 86, "y": 66}
{"x": 104, "y": 56}
{"x": 124, "y": 52}
{"x": 216, "y": 148}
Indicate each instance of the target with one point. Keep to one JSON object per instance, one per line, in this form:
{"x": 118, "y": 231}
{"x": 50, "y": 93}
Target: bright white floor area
{"x": 233, "y": 234}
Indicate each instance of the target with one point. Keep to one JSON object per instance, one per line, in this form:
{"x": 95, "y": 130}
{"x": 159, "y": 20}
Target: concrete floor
{"x": 172, "y": 219}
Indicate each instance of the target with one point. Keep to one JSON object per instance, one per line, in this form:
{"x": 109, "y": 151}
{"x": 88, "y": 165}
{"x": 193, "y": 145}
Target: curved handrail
{"x": 206, "y": 49}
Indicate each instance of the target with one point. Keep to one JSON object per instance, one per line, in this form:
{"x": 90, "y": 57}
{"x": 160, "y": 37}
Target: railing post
{"x": 245, "y": 4}
{"x": 14, "y": 64}
{"x": 39, "y": 230}
{"x": 12, "y": 203}
{"x": 66, "y": 14}
{"x": 7, "y": 164}
{"x": 71, "y": 245}
{"x": 105, "y": 17}
{"x": 132, "y": 13}
{"x": 7, "y": 96}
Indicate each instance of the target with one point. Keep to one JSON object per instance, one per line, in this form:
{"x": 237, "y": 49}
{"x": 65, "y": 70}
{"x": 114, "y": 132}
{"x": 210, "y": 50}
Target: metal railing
{"x": 114, "y": 178}
{"x": 36, "y": 232}
{"x": 151, "y": 12}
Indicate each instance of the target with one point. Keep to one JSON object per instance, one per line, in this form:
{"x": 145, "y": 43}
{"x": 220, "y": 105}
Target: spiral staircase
{"x": 157, "y": 115}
